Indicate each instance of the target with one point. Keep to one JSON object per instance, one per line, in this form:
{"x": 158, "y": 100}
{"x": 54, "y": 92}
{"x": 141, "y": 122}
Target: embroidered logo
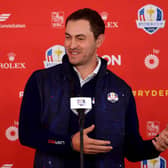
{"x": 112, "y": 97}
{"x": 56, "y": 142}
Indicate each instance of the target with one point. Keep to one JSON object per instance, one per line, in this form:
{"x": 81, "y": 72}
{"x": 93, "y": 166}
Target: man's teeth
{"x": 74, "y": 53}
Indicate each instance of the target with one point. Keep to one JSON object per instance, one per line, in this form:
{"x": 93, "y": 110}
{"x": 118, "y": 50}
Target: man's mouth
{"x": 73, "y": 52}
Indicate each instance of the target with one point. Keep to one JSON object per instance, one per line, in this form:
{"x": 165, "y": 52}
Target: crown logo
{"x": 104, "y": 15}
{"x": 11, "y": 56}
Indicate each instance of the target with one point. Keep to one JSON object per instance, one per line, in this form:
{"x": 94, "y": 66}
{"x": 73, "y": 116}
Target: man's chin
{"x": 75, "y": 63}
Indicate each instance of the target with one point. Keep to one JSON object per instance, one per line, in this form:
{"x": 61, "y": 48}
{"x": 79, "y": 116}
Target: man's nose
{"x": 73, "y": 44}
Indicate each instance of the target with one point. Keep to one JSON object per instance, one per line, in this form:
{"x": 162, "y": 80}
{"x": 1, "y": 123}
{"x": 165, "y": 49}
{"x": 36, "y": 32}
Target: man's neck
{"x": 85, "y": 70}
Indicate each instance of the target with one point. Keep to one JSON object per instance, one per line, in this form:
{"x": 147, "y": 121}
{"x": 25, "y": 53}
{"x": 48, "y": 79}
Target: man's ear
{"x": 100, "y": 40}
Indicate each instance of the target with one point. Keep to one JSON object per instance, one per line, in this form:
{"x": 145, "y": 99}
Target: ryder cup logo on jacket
{"x": 54, "y": 56}
{"x": 150, "y": 18}
{"x": 158, "y": 162}
{"x": 112, "y": 97}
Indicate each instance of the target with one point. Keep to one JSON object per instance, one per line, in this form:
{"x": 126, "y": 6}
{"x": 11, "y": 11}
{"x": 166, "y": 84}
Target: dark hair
{"x": 96, "y": 22}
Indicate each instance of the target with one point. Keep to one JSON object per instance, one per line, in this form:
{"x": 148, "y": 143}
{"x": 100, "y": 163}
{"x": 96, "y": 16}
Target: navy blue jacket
{"x": 45, "y": 115}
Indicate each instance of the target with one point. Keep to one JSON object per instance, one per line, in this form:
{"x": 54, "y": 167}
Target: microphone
{"x": 80, "y": 106}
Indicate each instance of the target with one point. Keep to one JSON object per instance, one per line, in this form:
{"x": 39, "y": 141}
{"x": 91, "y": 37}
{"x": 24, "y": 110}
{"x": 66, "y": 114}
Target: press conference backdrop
{"x": 32, "y": 37}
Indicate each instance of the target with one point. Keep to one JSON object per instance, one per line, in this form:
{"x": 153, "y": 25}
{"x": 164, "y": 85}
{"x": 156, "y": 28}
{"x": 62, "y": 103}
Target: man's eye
{"x": 67, "y": 37}
{"x": 80, "y": 38}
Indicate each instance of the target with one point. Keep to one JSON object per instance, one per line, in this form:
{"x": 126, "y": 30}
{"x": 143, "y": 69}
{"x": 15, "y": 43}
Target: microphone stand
{"x": 81, "y": 124}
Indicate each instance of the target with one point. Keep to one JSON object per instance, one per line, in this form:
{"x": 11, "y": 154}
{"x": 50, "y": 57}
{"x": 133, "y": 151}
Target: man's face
{"x": 80, "y": 43}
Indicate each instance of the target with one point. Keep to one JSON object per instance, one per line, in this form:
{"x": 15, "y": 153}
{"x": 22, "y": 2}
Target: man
{"x": 111, "y": 127}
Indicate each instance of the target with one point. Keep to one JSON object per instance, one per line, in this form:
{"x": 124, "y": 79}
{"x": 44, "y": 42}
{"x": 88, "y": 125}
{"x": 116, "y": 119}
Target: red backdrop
{"x": 135, "y": 47}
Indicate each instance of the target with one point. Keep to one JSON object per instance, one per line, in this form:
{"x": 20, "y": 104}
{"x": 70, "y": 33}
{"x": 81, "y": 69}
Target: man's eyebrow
{"x": 67, "y": 34}
{"x": 78, "y": 35}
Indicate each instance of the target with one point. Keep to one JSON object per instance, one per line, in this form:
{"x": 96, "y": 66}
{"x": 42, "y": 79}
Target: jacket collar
{"x": 68, "y": 68}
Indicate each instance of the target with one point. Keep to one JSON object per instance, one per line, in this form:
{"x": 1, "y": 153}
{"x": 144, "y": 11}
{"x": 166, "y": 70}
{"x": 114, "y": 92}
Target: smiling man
{"x": 111, "y": 127}
{"x": 81, "y": 46}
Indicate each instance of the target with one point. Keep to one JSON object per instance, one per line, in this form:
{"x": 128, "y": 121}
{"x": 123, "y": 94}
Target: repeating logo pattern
{"x": 7, "y": 165}
{"x": 109, "y": 23}
{"x": 11, "y": 132}
{"x": 151, "y": 92}
{"x": 57, "y": 19}
{"x": 54, "y": 56}
{"x": 113, "y": 60}
{"x": 150, "y": 18}
{"x": 151, "y": 61}
{"x": 153, "y": 128}
{"x": 4, "y": 16}
{"x": 12, "y": 64}
{"x": 158, "y": 162}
